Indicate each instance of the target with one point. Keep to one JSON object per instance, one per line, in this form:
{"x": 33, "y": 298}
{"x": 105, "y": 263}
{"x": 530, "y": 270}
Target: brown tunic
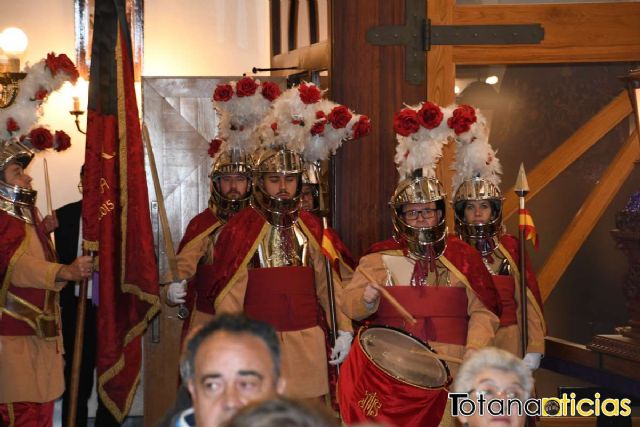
{"x": 187, "y": 261}
{"x": 508, "y": 337}
{"x": 482, "y": 322}
{"x": 304, "y": 355}
{"x": 31, "y": 369}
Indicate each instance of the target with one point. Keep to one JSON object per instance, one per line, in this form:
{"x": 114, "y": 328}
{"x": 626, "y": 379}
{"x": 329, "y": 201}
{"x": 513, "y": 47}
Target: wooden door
{"x": 181, "y": 122}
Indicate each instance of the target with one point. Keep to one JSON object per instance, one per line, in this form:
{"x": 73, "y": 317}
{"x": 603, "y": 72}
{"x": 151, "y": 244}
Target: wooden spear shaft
{"x": 521, "y": 189}
{"x": 183, "y": 312}
{"x": 406, "y": 315}
{"x": 77, "y": 352}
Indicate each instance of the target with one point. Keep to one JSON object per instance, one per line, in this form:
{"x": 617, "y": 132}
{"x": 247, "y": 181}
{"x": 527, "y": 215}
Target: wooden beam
{"x": 441, "y": 78}
{"x": 588, "y": 215}
{"x": 309, "y": 58}
{"x": 584, "y": 32}
{"x": 570, "y": 150}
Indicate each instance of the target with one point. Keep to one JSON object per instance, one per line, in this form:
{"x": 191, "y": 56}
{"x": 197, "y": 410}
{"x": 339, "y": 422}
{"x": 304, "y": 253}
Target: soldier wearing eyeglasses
{"x": 440, "y": 279}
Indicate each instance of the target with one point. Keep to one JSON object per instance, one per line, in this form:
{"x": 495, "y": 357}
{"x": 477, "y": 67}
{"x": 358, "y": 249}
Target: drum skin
{"x": 367, "y": 393}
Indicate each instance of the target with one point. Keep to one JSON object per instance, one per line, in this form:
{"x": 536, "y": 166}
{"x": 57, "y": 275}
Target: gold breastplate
{"x": 282, "y": 247}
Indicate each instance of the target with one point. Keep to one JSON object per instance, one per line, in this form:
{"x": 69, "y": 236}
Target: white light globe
{"x": 491, "y": 80}
{"x": 13, "y": 41}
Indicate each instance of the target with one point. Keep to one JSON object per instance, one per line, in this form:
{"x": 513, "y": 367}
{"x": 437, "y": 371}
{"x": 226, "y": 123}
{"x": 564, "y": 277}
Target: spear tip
{"x": 522, "y": 186}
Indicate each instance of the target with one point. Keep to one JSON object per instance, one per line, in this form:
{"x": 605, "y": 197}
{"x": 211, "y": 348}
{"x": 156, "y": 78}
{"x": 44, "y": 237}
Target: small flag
{"x": 525, "y": 223}
{"x": 328, "y": 248}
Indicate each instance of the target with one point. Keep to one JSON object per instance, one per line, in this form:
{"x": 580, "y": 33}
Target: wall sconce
{"x": 79, "y": 91}
{"x": 13, "y": 43}
{"x": 632, "y": 80}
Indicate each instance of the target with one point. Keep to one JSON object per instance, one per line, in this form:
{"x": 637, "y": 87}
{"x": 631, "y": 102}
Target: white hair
{"x": 491, "y": 358}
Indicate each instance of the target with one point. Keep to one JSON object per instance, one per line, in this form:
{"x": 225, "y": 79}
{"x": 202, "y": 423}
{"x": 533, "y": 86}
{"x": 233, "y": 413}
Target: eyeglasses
{"x": 426, "y": 213}
{"x": 490, "y": 393}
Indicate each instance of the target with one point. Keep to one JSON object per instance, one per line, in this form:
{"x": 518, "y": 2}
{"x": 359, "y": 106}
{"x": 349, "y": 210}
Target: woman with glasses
{"x": 493, "y": 381}
{"x": 439, "y": 279}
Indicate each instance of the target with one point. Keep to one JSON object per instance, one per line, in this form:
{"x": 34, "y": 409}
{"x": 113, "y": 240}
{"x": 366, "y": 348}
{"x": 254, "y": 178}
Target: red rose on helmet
{"x": 55, "y": 64}
{"x": 223, "y": 93}
{"x": 318, "y": 127}
{"x": 430, "y": 115}
{"x": 41, "y": 94}
{"x": 246, "y": 86}
{"x": 214, "y": 147}
{"x": 12, "y": 125}
{"x": 339, "y": 117}
{"x": 405, "y": 122}
{"x": 270, "y": 91}
{"x": 462, "y": 119}
{"x": 41, "y": 138}
{"x": 320, "y": 115}
{"x": 63, "y": 141}
{"x": 309, "y": 94}
{"x": 362, "y": 127}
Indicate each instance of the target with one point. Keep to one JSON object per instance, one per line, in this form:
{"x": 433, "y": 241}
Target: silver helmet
{"x": 311, "y": 186}
{"x": 231, "y": 162}
{"x": 280, "y": 212}
{"x": 424, "y": 242}
{"x": 15, "y": 200}
{"x": 484, "y": 236}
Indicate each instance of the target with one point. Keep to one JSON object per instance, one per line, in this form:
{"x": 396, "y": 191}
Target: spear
{"x": 521, "y": 189}
{"x": 183, "y": 311}
{"x": 333, "y": 318}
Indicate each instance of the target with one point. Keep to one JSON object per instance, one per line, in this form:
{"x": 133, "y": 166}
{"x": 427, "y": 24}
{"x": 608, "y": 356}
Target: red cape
{"x": 198, "y": 225}
{"x": 13, "y": 233}
{"x": 466, "y": 260}
{"x": 511, "y": 244}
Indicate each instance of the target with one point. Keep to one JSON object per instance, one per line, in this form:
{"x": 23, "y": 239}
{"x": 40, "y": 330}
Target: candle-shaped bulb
{"x": 76, "y": 103}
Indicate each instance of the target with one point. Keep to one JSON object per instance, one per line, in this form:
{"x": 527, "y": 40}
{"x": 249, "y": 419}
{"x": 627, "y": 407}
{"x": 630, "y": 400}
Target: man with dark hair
{"x": 229, "y": 363}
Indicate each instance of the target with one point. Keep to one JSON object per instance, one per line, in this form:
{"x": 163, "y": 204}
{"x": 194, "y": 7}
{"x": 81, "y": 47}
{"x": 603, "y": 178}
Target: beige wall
{"x": 191, "y": 38}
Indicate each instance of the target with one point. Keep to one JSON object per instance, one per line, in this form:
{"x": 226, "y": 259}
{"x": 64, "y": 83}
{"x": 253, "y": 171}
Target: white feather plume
{"x": 475, "y": 158}
{"x": 26, "y": 110}
{"x": 422, "y": 149}
{"x": 291, "y": 122}
{"x": 240, "y": 117}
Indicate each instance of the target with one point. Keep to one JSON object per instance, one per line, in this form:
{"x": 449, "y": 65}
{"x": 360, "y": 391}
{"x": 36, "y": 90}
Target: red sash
{"x": 284, "y": 297}
{"x": 466, "y": 259}
{"x": 441, "y": 312}
{"x": 367, "y": 393}
{"x": 506, "y": 288}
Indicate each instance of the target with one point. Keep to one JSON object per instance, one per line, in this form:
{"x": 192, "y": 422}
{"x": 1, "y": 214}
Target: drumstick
{"x": 47, "y": 187}
{"x": 394, "y": 302}
{"x": 439, "y": 356}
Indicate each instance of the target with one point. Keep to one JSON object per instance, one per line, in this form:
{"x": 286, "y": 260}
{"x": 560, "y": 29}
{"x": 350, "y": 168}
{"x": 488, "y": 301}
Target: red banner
{"x": 116, "y": 219}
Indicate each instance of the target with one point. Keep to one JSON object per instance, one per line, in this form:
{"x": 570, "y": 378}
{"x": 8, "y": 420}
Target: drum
{"x": 392, "y": 378}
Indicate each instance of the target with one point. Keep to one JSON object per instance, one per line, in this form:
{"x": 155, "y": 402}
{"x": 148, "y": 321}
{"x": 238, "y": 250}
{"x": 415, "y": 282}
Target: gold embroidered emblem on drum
{"x": 370, "y": 404}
